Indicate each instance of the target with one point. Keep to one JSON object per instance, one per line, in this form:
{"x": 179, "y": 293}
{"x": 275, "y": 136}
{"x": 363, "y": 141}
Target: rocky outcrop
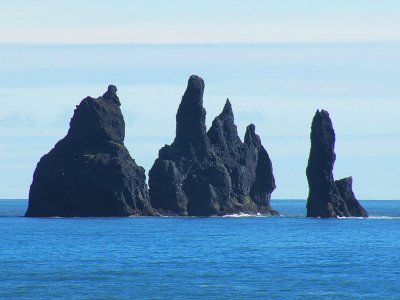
{"x": 345, "y": 188}
{"x": 327, "y": 198}
{"x": 264, "y": 183}
{"x": 210, "y": 173}
{"x": 90, "y": 171}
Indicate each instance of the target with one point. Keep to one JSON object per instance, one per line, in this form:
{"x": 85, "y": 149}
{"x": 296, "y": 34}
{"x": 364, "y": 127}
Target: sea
{"x": 233, "y": 257}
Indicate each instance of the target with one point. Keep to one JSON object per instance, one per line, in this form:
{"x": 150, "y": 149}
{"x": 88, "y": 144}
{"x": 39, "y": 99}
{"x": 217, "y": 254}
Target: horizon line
{"x": 271, "y": 43}
{"x": 276, "y": 199}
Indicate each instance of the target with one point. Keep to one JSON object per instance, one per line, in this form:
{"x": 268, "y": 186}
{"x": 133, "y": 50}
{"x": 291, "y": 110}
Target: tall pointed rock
{"x": 264, "y": 182}
{"x": 191, "y": 115}
{"x": 90, "y": 172}
{"x": 168, "y": 176}
{"x": 223, "y": 133}
{"x": 325, "y": 199}
{"x": 201, "y": 173}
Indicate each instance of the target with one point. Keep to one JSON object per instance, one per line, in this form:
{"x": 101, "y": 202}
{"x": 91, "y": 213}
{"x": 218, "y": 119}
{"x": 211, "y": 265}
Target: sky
{"x": 277, "y": 61}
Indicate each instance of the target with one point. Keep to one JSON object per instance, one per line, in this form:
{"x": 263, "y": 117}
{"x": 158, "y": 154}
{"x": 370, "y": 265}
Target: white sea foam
{"x": 241, "y": 215}
{"x": 384, "y": 218}
{"x": 371, "y": 217}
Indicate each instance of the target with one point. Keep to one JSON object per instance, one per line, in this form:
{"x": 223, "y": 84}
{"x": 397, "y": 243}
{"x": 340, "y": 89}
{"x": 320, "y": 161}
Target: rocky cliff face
{"x": 327, "y": 198}
{"x": 90, "y": 171}
{"x": 210, "y": 173}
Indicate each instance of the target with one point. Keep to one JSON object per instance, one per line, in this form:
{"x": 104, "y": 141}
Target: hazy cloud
{"x": 15, "y": 120}
{"x": 206, "y": 21}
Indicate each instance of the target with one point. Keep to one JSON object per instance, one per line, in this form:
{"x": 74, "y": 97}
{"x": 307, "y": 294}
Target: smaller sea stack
{"x": 89, "y": 173}
{"x": 328, "y": 198}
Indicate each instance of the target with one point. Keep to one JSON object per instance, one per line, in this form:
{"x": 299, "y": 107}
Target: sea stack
{"x": 328, "y": 198}
{"x": 210, "y": 173}
{"x": 90, "y": 173}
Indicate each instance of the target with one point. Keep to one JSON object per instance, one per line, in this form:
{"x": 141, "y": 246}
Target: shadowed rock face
{"x": 210, "y": 173}
{"x": 264, "y": 183}
{"x": 327, "y": 198}
{"x": 90, "y": 172}
{"x": 345, "y": 187}
{"x": 191, "y": 115}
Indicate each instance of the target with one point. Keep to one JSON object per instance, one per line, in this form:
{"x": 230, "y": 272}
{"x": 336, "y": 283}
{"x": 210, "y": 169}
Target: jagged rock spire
{"x": 322, "y": 153}
{"x": 191, "y": 115}
{"x": 208, "y": 174}
{"x": 325, "y": 199}
{"x": 264, "y": 183}
{"x": 227, "y": 111}
{"x": 223, "y": 132}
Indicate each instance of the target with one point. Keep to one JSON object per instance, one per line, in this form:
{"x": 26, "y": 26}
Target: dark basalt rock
{"x": 90, "y": 171}
{"x": 327, "y": 198}
{"x": 264, "y": 183}
{"x": 345, "y": 187}
{"x": 210, "y": 173}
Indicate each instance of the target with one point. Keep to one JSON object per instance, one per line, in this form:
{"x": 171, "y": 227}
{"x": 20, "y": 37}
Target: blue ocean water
{"x": 289, "y": 257}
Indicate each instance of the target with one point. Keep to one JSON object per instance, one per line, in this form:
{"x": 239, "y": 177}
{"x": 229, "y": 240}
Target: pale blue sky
{"x": 278, "y": 61}
{"x": 125, "y": 21}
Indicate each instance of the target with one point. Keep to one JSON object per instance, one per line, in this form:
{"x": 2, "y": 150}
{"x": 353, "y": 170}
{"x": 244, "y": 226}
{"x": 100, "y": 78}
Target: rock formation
{"x": 264, "y": 183}
{"x": 90, "y": 171}
{"x": 328, "y": 198}
{"x": 345, "y": 187}
{"x": 210, "y": 173}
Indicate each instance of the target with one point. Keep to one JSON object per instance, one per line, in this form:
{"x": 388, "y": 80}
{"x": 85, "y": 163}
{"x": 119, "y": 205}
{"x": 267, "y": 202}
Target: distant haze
{"x": 206, "y": 21}
{"x": 277, "y": 62}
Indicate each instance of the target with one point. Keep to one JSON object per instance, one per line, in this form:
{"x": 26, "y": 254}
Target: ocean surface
{"x": 288, "y": 257}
